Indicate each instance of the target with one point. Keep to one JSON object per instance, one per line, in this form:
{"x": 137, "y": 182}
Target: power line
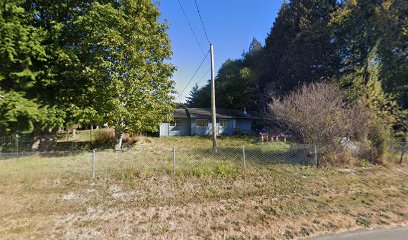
{"x": 202, "y": 23}
{"x": 195, "y": 73}
{"x": 202, "y": 77}
{"x": 191, "y": 28}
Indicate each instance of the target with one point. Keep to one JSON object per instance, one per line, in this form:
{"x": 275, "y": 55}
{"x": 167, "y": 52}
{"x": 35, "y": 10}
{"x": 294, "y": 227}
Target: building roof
{"x": 206, "y": 113}
{"x": 180, "y": 113}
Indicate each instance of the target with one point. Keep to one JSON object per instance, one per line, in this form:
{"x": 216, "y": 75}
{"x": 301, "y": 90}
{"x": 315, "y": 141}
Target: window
{"x": 175, "y": 123}
{"x": 223, "y": 122}
{"x": 202, "y": 123}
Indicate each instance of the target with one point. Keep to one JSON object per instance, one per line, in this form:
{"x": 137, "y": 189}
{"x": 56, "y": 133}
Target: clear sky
{"x": 230, "y": 24}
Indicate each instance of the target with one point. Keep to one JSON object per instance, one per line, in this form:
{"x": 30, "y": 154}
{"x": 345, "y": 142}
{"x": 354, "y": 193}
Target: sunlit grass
{"x": 211, "y": 195}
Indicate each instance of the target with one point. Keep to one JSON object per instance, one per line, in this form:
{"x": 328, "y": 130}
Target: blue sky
{"x": 230, "y": 24}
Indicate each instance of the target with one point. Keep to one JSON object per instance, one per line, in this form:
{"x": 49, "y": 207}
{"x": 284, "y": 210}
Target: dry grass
{"x": 54, "y": 197}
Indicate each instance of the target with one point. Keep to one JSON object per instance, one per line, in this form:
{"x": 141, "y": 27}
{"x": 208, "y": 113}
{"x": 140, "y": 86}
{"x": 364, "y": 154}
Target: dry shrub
{"x": 365, "y": 150}
{"x": 318, "y": 114}
{"x": 340, "y": 158}
{"x": 106, "y": 137}
{"x": 131, "y": 138}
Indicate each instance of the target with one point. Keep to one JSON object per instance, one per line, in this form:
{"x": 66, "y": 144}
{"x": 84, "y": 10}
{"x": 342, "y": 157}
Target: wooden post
{"x": 243, "y": 156}
{"x": 93, "y": 164}
{"x": 214, "y": 117}
{"x": 315, "y": 153}
{"x": 174, "y": 161}
{"x": 17, "y": 144}
{"x": 403, "y": 150}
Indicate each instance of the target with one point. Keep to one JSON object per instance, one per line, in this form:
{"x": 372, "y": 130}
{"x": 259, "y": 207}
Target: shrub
{"x": 380, "y": 138}
{"x": 106, "y": 137}
{"x": 317, "y": 114}
{"x": 340, "y": 158}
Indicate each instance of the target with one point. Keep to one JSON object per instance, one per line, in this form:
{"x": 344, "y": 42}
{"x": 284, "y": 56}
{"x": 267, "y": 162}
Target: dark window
{"x": 202, "y": 123}
{"x": 223, "y": 123}
{"x": 175, "y": 123}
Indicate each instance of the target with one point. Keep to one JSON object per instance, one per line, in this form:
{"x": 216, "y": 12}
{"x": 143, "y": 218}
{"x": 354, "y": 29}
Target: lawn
{"x": 135, "y": 194}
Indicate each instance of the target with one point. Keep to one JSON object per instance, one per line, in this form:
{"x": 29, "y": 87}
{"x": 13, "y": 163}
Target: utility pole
{"x": 214, "y": 117}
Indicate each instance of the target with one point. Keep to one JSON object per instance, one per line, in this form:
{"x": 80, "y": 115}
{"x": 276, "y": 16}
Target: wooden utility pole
{"x": 214, "y": 117}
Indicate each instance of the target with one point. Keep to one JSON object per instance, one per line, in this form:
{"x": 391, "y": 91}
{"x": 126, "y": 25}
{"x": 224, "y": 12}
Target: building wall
{"x": 190, "y": 128}
{"x": 167, "y": 131}
{"x": 164, "y": 129}
{"x": 201, "y": 131}
{"x": 243, "y": 126}
{"x": 228, "y": 130}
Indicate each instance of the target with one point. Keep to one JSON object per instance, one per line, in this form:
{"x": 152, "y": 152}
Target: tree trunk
{"x": 44, "y": 141}
{"x": 74, "y": 133}
{"x": 118, "y": 139}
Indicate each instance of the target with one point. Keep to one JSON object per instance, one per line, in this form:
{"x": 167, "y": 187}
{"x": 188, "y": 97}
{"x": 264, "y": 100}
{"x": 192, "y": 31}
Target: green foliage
{"x": 358, "y": 43}
{"x": 85, "y": 62}
{"x": 364, "y": 27}
{"x": 18, "y": 114}
{"x": 365, "y": 88}
{"x": 20, "y": 47}
{"x": 236, "y": 86}
{"x": 381, "y": 139}
{"x": 299, "y": 49}
{"x": 226, "y": 169}
{"x": 131, "y": 87}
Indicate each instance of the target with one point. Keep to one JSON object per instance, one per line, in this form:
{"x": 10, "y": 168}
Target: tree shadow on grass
{"x": 85, "y": 145}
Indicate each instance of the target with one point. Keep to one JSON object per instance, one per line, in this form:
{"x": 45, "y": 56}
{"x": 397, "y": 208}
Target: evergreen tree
{"x": 23, "y": 59}
{"x": 362, "y": 26}
{"x": 299, "y": 49}
{"x": 193, "y": 97}
{"x": 76, "y": 61}
{"x": 236, "y": 86}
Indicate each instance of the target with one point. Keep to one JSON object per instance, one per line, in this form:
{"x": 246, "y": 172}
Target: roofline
{"x": 189, "y": 115}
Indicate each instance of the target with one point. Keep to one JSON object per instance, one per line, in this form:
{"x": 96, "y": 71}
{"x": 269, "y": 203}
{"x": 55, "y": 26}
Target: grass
{"x": 136, "y": 195}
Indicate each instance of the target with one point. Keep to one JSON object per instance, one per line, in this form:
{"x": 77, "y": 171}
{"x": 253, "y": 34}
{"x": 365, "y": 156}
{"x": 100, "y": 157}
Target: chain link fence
{"x": 400, "y": 149}
{"x": 134, "y": 163}
{"x": 97, "y": 164}
{"x": 15, "y": 143}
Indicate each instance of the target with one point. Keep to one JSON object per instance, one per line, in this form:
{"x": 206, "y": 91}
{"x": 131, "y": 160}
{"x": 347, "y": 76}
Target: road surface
{"x": 400, "y": 233}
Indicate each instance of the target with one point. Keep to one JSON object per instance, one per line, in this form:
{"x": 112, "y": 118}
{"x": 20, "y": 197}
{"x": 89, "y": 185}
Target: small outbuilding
{"x": 197, "y": 121}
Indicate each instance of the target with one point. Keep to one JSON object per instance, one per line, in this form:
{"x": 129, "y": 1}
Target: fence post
{"x": 403, "y": 150}
{"x": 174, "y": 161}
{"x": 315, "y": 154}
{"x": 17, "y": 144}
{"x": 244, "y": 156}
{"x": 93, "y": 164}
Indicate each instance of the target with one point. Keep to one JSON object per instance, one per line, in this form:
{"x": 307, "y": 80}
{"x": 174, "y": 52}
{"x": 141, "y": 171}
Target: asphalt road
{"x": 383, "y": 234}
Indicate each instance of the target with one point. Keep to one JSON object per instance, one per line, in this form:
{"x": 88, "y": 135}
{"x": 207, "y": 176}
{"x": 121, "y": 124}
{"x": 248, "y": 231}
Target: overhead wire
{"x": 195, "y": 73}
{"x": 202, "y": 22}
{"x": 191, "y": 28}
{"x": 202, "y": 77}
